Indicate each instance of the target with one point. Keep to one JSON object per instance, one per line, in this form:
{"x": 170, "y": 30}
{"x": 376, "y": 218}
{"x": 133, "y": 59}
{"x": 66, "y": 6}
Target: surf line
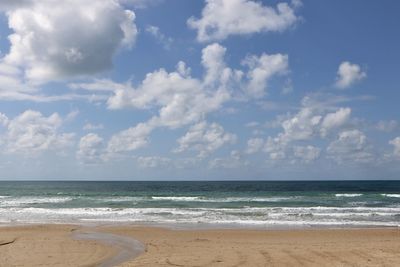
{"x": 129, "y": 248}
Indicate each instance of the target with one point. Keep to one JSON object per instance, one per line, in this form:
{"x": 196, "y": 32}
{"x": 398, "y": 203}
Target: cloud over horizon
{"x": 214, "y": 87}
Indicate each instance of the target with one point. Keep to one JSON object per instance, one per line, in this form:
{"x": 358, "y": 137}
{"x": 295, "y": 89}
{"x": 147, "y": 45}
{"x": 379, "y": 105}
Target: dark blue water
{"x": 261, "y": 204}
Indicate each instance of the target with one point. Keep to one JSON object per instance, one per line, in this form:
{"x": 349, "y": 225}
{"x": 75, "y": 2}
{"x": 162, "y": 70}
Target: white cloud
{"x": 350, "y": 146}
{"x": 11, "y": 85}
{"x": 3, "y": 119}
{"x": 328, "y": 101}
{"x": 57, "y": 39}
{"x": 254, "y": 145}
{"x": 14, "y": 88}
{"x": 100, "y": 85}
{"x": 213, "y": 61}
{"x": 335, "y": 120}
{"x": 276, "y": 148}
{"x": 261, "y": 69}
{"x": 130, "y": 139}
{"x": 396, "y": 146}
{"x": 252, "y": 124}
{"x": 160, "y": 37}
{"x": 178, "y": 93}
{"x": 6, "y": 5}
{"x": 91, "y": 149}
{"x": 72, "y": 115}
{"x": 153, "y": 162}
{"x": 387, "y": 126}
{"x": 31, "y": 133}
{"x": 41, "y": 98}
{"x": 348, "y": 74}
{"x": 287, "y": 87}
{"x": 235, "y": 160}
{"x": 180, "y": 98}
{"x": 92, "y": 127}
{"x": 222, "y": 18}
{"x": 302, "y": 126}
{"x": 310, "y": 122}
{"x": 306, "y": 154}
{"x": 205, "y": 138}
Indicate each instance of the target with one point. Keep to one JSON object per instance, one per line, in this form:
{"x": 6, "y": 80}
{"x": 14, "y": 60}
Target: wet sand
{"x": 56, "y": 245}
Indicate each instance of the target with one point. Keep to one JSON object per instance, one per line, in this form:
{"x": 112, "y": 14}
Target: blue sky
{"x": 183, "y": 90}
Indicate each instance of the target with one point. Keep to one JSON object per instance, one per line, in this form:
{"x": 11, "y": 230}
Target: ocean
{"x": 227, "y": 203}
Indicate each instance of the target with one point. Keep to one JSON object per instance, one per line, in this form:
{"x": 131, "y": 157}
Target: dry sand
{"x": 52, "y": 245}
{"x": 49, "y": 245}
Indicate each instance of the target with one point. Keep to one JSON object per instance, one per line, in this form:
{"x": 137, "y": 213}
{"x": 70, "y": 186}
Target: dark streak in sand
{"x": 3, "y": 243}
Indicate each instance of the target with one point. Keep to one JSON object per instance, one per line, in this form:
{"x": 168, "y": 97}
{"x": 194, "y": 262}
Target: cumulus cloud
{"x": 235, "y": 160}
{"x": 350, "y": 146}
{"x": 261, "y": 69}
{"x": 301, "y": 126}
{"x": 57, "y": 39}
{"x": 213, "y": 62}
{"x": 387, "y": 126}
{"x": 3, "y": 119}
{"x": 306, "y": 154}
{"x": 254, "y": 145}
{"x": 335, "y": 120}
{"x": 31, "y": 132}
{"x": 276, "y": 147}
{"x": 153, "y": 162}
{"x": 396, "y": 146}
{"x": 205, "y": 138}
{"x": 91, "y": 149}
{"x": 164, "y": 40}
{"x": 92, "y": 127}
{"x": 171, "y": 90}
{"x": 6, "y": 5}
{"x": 13, "y": 88}
{"x": 130, "y": 139}
{"x": 311, "y": 121}
{"x": 222, "y": 18}
{"x": 348, "y": 74}
{"x": 72, "y": 115}
{"x": 180, "y": 98}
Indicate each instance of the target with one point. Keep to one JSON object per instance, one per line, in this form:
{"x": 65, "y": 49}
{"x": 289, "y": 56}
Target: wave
{"x": 348, "y": 195}
{"x": 11, "y": 201}
{"x": 176, "y": 198}
{"x": 258, "y": 199}
{"x": 114, "y": 199}
{"x": 222, "y": 200}
{"x": 391, "y": 195}
{"x": 265, "y": 216}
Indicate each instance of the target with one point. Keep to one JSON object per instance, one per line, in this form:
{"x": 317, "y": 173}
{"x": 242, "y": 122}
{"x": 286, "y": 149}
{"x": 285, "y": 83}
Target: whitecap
{"x": 348, "y": 195}
{"x": 391, "y": 195}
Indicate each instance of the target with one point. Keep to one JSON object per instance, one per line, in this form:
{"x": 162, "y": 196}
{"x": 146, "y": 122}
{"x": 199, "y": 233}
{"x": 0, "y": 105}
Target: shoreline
{"x": 204, "y": 226}
{"x": 56, "y": 245}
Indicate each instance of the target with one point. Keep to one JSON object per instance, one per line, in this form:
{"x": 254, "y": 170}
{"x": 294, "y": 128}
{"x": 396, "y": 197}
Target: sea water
{"x": 248, "y": 204}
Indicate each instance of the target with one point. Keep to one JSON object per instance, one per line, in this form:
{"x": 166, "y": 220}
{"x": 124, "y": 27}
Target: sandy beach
{"x": 57, "y": 245}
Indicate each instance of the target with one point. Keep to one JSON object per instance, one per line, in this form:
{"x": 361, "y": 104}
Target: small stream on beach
{"x": 129, "y": 248}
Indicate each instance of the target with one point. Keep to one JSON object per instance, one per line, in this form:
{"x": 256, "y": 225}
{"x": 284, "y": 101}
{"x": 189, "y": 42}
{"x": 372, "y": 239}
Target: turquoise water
{"x": 259, "y": 204}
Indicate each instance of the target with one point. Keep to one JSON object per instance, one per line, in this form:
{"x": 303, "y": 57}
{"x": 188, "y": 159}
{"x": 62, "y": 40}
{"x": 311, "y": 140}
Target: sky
{"x": 199, "y": 90}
